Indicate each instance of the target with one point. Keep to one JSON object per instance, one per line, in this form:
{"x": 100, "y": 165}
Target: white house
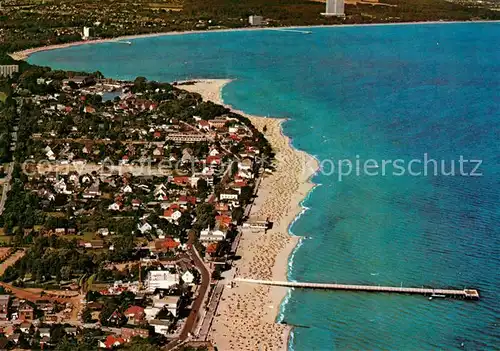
{"x": 187, "y": 277}
{"x": 103, "y": 231}
{"x": 50, "y": 155}
{"x": 160, "y": 326}
{"x": 150, "y": 313}
{"x": 245, "y": 164}
{"x": 172, "y": 304}
{"x": 127, "y": 189}
{"x": 213, "y": 152}
{"x": 245, "y": 174}
{"x": 171, "y": 215}
{"x": 114, "y": 207}
{"x": 144, "y": 228}
{"x": 229, "y": 194}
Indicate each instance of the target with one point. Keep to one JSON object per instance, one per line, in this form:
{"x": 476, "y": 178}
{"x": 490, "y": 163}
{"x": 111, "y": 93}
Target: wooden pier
{"x": 468, "y": 294}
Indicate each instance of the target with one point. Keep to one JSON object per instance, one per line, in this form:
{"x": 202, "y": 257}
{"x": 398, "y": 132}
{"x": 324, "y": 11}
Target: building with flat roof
{"x": 161, "y": 280}
{"x": 256, "y": 20}
{"x": 86, "y": 33}
{"x": 8, "y": 70}
{"x": 334, "y": 8}
{"x": 186, "y": 137}
{"x": 213, "y": 235}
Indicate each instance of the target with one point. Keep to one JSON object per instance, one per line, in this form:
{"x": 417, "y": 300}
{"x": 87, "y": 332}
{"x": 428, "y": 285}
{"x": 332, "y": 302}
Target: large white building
{"x": 86, "y": 33}
{"x": 334, "y": 8}
{"x": 8, "y": 70}
{"x": 256, "y": 20}
{"x": 208, "y": 235}
{"x": 161, "y": 280}
{"x": 160, "y": 326}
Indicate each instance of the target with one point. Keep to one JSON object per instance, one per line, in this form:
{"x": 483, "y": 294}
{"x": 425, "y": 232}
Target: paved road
{"x": 202, "y": 292}
{"x": 211, "y": 311}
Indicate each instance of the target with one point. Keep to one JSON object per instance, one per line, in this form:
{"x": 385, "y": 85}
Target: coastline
{"x": 23, "y": 55}
{"x": 247, "y": 315}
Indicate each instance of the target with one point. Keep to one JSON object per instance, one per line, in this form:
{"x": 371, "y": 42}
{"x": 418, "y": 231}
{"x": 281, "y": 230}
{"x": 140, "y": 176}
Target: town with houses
{"x": 122, "y": 208}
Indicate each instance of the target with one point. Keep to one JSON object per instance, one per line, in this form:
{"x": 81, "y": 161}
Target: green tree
{"x": 203, "y": 188}
{"x": 87, "y": 316}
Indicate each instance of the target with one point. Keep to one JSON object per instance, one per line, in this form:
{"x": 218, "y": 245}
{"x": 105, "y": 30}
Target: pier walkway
{"x": 470, "y": 294}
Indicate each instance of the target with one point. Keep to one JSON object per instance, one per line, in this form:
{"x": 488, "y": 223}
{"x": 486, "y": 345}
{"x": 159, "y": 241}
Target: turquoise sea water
{"x": 383, "y": 93}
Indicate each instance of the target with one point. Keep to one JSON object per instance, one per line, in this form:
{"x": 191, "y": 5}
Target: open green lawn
{"x": 5, "y": 239}
{"x": 85, "y": 236}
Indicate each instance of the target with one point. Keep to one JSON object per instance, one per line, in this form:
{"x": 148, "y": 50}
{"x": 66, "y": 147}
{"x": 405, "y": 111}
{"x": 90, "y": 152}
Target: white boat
{"x": 437, "y": 295}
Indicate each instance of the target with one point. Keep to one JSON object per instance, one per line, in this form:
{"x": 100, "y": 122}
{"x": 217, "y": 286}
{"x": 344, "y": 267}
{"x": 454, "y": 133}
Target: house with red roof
{"x": 111, "y": 341}
{"x": 224, "y": 220}
{"x": 234, "y": 137}
{"x": 89, "y": 109}
{"x": 214, "y": 161}
{"x": 136, "y": 203}
{"x": 181, "y": 181}
{"x": 124, "y": 159}
{"x": 217, "y": 123}
{"x": 166, "y": 244}
{"x": 221, "y": 207}
{"x": 211, "y": 249}
{"x": 202, "y": 124}
{"x": 184, "y": 200}
{"x": 129, "y": 333}
{"x": 239, "y": 182}
{"x": 135, "y": 314}
{"x": 172, "y": 214}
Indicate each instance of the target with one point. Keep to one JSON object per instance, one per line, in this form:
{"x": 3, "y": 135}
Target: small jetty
{"x": 293, "y": 31}
{"x": 467, "y": 294}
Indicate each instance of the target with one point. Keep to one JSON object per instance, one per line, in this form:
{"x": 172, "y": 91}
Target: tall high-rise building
{"x": 8, "y": 70}
{"x": 86, "y": 33}
{"x": 334, "y": 8}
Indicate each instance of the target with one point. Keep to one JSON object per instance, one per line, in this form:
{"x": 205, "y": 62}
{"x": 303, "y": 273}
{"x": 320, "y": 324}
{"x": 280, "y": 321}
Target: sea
{"x": 424, "y": 93}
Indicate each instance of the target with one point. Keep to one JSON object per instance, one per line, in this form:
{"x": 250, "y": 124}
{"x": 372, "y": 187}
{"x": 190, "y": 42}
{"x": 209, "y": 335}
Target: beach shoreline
{"x": 264, "y": 255}
{"x": 23, "y": 55}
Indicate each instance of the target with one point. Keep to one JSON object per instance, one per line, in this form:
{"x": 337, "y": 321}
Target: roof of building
{"x": 113, "y": 340}
{"x": 134, "y": 310}
{"x": 167, "y": 243}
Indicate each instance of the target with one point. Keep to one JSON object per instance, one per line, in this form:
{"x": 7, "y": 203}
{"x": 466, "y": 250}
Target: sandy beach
{"x": 246, "y": 318}
{"x": 24, "y": 54}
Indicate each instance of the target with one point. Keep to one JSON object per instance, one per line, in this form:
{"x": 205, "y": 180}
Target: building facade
{"x": 161, "y": 280}
{"x": 334, "y": 8}
{"x": 8, "y": 70}
{"x": 255, "y": 20}
{"x": 86, "y": 33}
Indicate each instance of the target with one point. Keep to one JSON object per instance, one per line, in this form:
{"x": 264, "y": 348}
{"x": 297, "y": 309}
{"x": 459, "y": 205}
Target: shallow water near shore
{"x": 383, "y": 93}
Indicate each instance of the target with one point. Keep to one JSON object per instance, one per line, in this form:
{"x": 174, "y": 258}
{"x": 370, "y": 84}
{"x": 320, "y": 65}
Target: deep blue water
{"x": 383, "y": 93}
